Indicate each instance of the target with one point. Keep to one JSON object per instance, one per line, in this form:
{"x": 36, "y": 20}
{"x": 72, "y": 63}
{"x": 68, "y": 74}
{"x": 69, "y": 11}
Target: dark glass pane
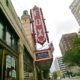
{"x": 1, "y": 31}
{"x": 15, "y": 44}
{"x": 8, "y": 38}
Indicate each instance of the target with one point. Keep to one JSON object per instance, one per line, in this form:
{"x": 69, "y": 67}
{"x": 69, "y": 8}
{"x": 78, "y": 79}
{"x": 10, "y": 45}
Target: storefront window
{"x": 28, "y": 65}
{"x": 10, "y": 72}
{"x": 28, "y": 71}
{"x": 1, "y": 31}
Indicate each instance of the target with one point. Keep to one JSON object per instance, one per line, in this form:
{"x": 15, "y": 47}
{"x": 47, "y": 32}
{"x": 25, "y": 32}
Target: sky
{"x": 59, "y": 19}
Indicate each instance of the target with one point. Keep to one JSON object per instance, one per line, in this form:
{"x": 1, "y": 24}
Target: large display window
{"x": 8, "y": 65}
{"x": 10, "y": 68}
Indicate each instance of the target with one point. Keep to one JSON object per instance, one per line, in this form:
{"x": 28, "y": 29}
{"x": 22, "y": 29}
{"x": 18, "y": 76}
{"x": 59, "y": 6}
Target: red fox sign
{"x": 38, "y": 25}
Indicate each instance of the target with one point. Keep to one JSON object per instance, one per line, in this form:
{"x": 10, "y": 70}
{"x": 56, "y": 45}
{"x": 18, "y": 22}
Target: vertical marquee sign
{"x": 39, "y": 31}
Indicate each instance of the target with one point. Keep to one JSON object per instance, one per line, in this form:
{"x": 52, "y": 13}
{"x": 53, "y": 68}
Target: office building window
{"x": 1, "y": 31}
{"x": 7, "y": 2}
{"x": 11, "y": 39}
{"x": 8, "y": 38}
{"x": 14, "y": 43}
{"x": 7, "y": 33}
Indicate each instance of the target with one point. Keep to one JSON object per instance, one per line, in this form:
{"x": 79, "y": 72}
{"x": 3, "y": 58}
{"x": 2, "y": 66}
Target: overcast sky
{"x": 59, "y": 19}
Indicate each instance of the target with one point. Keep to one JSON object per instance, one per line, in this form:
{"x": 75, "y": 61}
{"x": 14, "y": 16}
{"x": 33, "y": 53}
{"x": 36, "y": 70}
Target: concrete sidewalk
{"x": 72, "y": 78}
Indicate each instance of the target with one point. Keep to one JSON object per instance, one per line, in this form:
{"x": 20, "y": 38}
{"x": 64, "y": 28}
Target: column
{"x": 42, "y": 78}
{"x": 35, "y": 71}
{"x": 21, "y": 62}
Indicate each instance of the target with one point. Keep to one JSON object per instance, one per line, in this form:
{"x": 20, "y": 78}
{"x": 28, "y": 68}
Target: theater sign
{"x": 38, "y": 25}
{"x": 43, "y": 57}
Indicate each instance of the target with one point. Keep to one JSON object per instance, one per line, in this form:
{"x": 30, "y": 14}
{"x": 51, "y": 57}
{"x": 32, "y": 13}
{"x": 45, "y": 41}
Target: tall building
{"x": 67, "y": 42}
{"x": 75, "y": 9}
{"x": 26, "y": 29}
{"x": 59, "y": 65}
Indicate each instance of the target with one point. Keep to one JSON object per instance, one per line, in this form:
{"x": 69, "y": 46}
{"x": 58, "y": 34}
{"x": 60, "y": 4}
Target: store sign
{"x": 42, "y": 55}
{"x": 39, "y": 28}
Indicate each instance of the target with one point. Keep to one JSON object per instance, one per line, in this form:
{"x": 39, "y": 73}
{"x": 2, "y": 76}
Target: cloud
{"x": 66, "y": 27}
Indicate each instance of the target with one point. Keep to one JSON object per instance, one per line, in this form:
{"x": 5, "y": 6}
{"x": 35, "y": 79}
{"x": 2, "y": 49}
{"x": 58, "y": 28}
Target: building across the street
{"x": 67, "y": 42}
{"x": 75, "y": 9}
{"x": 59, "y": 65}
